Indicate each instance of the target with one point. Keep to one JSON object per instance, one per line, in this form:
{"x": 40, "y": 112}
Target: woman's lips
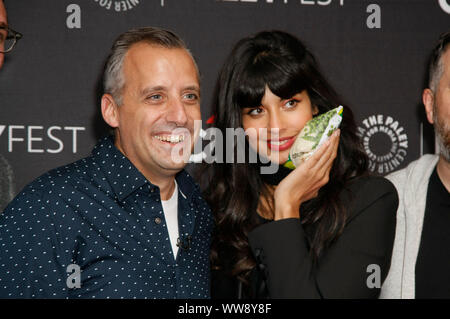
{"x": 281, "y": 144}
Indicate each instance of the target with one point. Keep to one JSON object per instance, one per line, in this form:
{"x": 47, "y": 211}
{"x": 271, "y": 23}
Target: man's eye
{"x": 191, "y": 96}
{"x": 155, "y": 97}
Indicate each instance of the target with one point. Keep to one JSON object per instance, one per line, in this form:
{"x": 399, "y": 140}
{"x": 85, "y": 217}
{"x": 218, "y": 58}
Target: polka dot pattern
{"x": 103, "y": 215}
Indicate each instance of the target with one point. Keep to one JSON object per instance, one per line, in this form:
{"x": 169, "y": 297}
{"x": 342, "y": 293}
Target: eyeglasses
{"x": 8, "y": 39}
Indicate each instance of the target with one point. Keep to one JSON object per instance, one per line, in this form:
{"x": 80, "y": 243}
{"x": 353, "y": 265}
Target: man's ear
{"x": 110, "y": 112}
{"x": 428, "y": 101}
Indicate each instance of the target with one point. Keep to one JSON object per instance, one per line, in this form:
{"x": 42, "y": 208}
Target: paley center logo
{"x": 73, "y": 20}
{"x": 384, "y": 141}
{"x": 445, "y": 5}
{"x": 40, "y": 139}
{"x": 117, "y": 5}
{"x": 302, "y": 2}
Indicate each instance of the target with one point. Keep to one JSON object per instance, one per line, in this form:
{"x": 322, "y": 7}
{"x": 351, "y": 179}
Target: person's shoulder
{"x": 371, "y": 186}
{"x": 415, "y": 172}
{"x": 64, "y": 175}
{"x": 371, "y": 191}
{"x": 51, "y": 196}
{"x": 50, "y": 183}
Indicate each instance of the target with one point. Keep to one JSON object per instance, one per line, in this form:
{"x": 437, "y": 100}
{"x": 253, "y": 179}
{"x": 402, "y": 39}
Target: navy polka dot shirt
{"x": 103, "y": 216}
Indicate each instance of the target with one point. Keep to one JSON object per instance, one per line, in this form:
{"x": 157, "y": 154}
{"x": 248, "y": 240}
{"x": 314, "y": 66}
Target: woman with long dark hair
{"x": 322, "y": 230}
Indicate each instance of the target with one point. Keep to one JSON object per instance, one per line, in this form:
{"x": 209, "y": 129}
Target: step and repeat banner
{"x": 374, "y": 53}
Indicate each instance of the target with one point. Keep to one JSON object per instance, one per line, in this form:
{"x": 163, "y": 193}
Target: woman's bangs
{"x": 251, "y": 87}
{"x": 285, "y": 79}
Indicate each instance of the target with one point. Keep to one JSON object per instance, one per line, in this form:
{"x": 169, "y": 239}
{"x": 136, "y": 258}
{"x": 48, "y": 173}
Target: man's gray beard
{"x": 442, "y": 133}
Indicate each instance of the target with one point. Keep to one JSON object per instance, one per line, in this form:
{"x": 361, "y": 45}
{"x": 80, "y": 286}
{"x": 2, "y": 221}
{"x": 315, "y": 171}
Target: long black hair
{"x": 281, "y": 62}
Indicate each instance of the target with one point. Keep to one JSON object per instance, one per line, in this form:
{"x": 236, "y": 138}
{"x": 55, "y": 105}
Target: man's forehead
{"x": 166, "y": 65}
{"x": 152, "y": 53}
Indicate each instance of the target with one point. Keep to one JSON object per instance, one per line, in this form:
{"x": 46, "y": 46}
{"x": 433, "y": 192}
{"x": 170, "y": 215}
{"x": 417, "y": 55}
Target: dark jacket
{"x": 347, "y": 269}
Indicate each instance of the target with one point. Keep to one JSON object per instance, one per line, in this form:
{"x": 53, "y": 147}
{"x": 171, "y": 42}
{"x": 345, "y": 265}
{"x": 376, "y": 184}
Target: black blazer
{"x": 285, "y": 268}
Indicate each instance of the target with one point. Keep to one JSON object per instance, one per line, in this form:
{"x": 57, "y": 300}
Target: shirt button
{"x": 157, "y": 220}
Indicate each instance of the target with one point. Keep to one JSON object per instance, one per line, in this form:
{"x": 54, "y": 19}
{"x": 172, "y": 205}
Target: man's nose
{"x": 176, "y": 112}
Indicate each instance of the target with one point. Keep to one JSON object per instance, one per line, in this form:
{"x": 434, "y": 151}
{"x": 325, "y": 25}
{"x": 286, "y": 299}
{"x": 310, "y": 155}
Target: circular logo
{"x": 117, "y": 5}
{"x": 384, "y": 141}
{"x": 445, "y": 6}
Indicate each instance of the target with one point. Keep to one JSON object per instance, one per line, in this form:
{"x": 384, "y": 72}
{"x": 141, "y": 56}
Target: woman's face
{"x": 273, "y": 126}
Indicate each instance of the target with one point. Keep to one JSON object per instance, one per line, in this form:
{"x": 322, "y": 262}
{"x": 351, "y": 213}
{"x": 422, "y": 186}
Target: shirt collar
{"x": 125, "y": 178}
{"x": 121, "y": 174}
{"x": 186, "y": 185}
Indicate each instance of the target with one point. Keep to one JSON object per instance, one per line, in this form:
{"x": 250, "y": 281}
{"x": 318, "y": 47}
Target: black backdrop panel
{"x": 373, "y": 52}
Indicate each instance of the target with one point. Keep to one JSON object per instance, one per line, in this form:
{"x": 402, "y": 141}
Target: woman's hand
{"x": 304, "y": 182}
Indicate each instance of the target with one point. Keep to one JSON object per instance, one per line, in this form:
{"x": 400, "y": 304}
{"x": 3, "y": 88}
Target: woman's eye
{"x": 255, "y": 111}
{"x": 291, "y": 103}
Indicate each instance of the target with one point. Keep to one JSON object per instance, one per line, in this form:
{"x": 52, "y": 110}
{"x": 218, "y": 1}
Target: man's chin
{"x": 173, "y": 166}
